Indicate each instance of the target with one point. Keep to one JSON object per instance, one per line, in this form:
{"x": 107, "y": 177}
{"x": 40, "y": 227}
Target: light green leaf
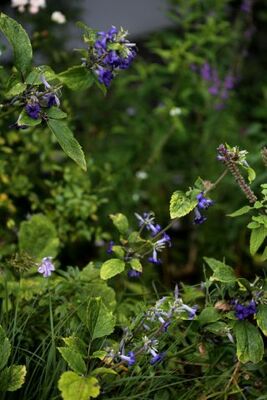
{"x": 181, "y": 204}
{"x": 135, "y": 264}
{"x": 249, "y": 342}
{"x": 99, "y": 320}
{"x": 111, "y": 267}
{"x": 17, "y": 89}
{"x": 5, "y": 349}
{"x": 118, "y": 251}
{"x": 12, "y": 378}
{"x": 103, "y": 371}
{"x": 77, "y": 78}
{"x": 38, "y": 237}
{"x": 241, "y": 211}
{"x": 101, "y": 354}
{"x": 221, "y": 271}
{"x": 251, "y": 174}
{"x": 34, "y": 77}
{"x": 261, "y": 317}
{"x": 257, "y": 237}
{"x": 24, "y": 119}
{"x": 74, "y": 359}
{"x": 208, "y": 315}
{"x": 20, "y": 42}
{"x": 73, "y": 386}
{"x": 76, "y": 344}
{"x": 67, "y": 141}
{"x": 55, "y": 113}
{"x": 121, "y": 222}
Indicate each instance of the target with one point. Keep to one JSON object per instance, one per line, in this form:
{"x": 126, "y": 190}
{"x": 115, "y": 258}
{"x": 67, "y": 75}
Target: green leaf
{"x": 77, "y": 78}
{"x": 121, "y": 222}
{"x": 262, "y": 318}
{"x": 135, "y": 264}
{"x": 12, "y": 378}
{"x": 101, "y": 354}
{"x": 73, "y": 386}
{"x": 208, "y": 315}
{"x": 111, "y": 267}
{"x": 249, "y": 342}
{"x": 99, "y": 320}
{"x": 56, "y": 113}
{"x": 118, "y": 251}
{"x": 15, "y": 90}
{"x": 181, "y": 205}
{"x": 38, "y": 237}
{"x": 76, "y": 344}
{"x": 221, "y": 271}
{"x": 34, "y": 77}
{"x": 5, "y": 348}
{"x": 241, "y": 211}
{"x": 20, "y": 42}
{"x": 251, "y": 174}
{"x": 103, "y": 371}
{"x": 24, "y": 119}
{"x": 257, "y": 237}
{"x": 218, "y": 328}
{"x": 67, "y": 141}
{"x": 74, "y": 359}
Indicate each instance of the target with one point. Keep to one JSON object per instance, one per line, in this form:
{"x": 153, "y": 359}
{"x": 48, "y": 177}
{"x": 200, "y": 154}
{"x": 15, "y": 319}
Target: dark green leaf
{"x": 67, "y": 141}
{"x": 77, "y": 78}
{"x": 249, "y": 342}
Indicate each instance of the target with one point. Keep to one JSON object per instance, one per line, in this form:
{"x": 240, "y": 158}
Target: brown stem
{"x": 231, "y": 165}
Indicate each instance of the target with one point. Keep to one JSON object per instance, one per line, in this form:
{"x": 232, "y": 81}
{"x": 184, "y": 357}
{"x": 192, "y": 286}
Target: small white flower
{"x": 21, "y": 4}
{"x": 175, "y": 111}
{"x": 58, "y": 17}
{"x": 142, "y": 175}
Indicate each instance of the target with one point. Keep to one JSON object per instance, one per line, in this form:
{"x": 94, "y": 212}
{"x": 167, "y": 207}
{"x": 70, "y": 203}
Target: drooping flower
{"x": 156, "y": 357}
{"x": 33, "y": 109}
{"x": 46, "y": 267}
{"x": 130, "y": 359}
{"x": 133, "y": 273}
{"x": 203, "y": 204}
{"x": 110, "y": 247}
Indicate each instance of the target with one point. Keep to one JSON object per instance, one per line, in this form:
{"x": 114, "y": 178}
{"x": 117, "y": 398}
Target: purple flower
{"x": 246, "y": 6}
{"x": 130, "y": 359}
{"x": 156, "y": 357}
{"x": 229, "y": 82}
{"x": 110, "y": 246}
{"x": 199, "y": 218}
{"x": 203, "y": 202}
{"x": 214, "y": 90}
{"x": 206, "y": 72}
{"x": 105, "y": 76}
{"x": 51, "y": 99}
{"x": 46, "y": 267}
{"x": 33, "y": 109}
{"x": 244, "y": 311}
{"x": 132, "y": 273}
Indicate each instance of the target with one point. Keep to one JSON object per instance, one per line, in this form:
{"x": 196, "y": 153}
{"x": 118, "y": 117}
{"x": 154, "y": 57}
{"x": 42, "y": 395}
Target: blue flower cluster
{"x": 112, "y": 52}
{"x": 243, "y": 311}
{"x": 39, "y": 100}
{"x": 203, "y": 204}
{"x": 147, "y": 221}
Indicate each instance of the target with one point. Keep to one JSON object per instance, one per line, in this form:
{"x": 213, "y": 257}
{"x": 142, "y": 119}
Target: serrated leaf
{"x": 249, "y": 342}
{"x": 221, "y": 271}
{"x": 261, "y": 317}
{"x": 24, "y": 119}
{"x": 240, "y": 211}
{"x": 73, "y": 386}
{"x": 56, "y": 113}
{"x": 111, "y": 267}
{"x": 38, "y": 237}
{"x": 76, "y": 344}
{"x": 67, "y": 141}
{"x": 12, "y": 378}
{"x": 99, "y": 320}
{"x": 181, "y": 205}
{"x": 77, "y": 78}
{"x": 74, "y": 359}
{"x": 121, "y": 222}
{"x": 136, "y": 265}
{"x": 257, "y": 237}
{"x": 208, "y": 315}
{"x": 20, "y": 42}
{"x": 5, "y": 348}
